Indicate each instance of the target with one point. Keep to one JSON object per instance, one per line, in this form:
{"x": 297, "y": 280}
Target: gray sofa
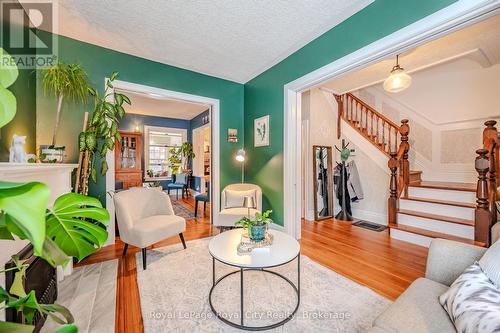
{"x": 418, "y": 310}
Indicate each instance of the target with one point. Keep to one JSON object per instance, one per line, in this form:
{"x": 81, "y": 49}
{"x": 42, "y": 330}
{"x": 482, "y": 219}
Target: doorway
{"x": 453, "y": 18}
{"x": 164, "y": 120}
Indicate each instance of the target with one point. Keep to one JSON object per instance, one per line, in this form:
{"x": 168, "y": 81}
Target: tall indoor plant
{"x": 63, "y": 81}
{"x": 187, "y": 154}
{"x": 68, "y": 229}
{"x": 100, "y": 133}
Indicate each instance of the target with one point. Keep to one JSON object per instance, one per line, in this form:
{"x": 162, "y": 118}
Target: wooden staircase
{"x": 418, "y": 210}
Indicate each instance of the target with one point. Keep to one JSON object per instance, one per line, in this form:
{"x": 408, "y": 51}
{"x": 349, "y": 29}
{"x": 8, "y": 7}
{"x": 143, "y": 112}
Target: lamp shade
{"x": 249, "y": 202}
{"x": 240, "y": 155}
{"x": 397, "y": 81}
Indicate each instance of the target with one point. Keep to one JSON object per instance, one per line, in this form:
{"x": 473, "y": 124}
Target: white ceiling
{"x": 162, "y": 107}
{"x": 235, "y": 40}
{"x": 479, "y": 42}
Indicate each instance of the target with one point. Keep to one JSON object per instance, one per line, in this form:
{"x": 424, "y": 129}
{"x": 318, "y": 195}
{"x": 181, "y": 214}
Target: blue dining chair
{"x": 180, "y": 183}
{"x": 204, "y": 198}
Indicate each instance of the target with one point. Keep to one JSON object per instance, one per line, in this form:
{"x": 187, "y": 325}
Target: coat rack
{"x": 343, "y": 215}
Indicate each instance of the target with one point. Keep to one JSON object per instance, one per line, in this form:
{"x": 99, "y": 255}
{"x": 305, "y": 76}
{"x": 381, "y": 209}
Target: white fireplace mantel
{"x": 56, "y": 176}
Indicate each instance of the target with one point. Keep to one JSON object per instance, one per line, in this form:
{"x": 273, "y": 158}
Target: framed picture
{"x": 261, "y": 131}
{"x": 232, "y": 135}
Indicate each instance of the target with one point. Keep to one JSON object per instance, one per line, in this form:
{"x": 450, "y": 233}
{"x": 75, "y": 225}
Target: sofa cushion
{"x": 473, "y": 302}
{"x": 235, "y": 198}
{"x": 156, "y": 228}
{"x": 417, "y": 310}
{"x": 490, "y": 263}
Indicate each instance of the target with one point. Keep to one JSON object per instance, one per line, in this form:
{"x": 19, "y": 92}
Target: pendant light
{"x": 398, "y": 80}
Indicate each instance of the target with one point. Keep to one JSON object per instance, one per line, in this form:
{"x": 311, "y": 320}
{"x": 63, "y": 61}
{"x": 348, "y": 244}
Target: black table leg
{"x": 241, "y": 294}
{"x": 213, "y": 271}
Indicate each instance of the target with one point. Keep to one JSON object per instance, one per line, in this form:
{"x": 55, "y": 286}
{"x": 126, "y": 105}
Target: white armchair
{"x": 232, "y": 203}
{"x": 145, "y": 216}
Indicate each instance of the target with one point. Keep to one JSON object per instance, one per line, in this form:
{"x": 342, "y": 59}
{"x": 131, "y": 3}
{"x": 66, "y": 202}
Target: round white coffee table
{"x": 284, "y": 249}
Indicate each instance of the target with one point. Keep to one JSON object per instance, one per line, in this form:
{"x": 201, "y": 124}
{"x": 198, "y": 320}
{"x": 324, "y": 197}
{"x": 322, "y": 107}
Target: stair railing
{"x": 486, "y": 165}
{"x": 386, "y": 135}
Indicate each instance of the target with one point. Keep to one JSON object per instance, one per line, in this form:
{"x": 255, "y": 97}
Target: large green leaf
{"x": 69, "y": 228}
{"x": 8, "y": 106}
{"x": 8, "y": 327}
{"x": 23, "y": 206}
{"x": 71, "y": 328}
{"x": 8, "y": 69}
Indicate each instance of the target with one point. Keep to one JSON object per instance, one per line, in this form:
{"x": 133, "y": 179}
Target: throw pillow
{"x": 473, "y": 302}
{"x": 180, "y": 179}
{"x": 490, "y": 263}
{"x": 235, "y": 198}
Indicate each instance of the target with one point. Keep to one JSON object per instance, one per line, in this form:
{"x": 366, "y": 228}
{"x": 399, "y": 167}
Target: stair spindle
{"x": 482, "y": 212}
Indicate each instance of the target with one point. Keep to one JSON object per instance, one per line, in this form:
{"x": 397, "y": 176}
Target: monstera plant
{"x": 69, "y": 229}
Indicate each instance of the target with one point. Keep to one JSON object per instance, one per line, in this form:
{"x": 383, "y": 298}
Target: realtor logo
{"x": 23, "y": 32}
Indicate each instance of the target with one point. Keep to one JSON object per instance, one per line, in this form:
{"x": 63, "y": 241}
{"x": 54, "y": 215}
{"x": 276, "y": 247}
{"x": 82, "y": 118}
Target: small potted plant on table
{"x": 256, "y": 227}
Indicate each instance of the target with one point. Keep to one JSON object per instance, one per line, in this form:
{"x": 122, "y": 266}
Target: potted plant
{"x": 187, "y": 155}
{"x": 100, "y": 134}
{"x": 258, "y": 226}
{"x": 63, "y": 81}
{"x": 175, "y": 159}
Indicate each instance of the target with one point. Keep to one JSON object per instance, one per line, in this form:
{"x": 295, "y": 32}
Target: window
{"x": 158, "y": 144}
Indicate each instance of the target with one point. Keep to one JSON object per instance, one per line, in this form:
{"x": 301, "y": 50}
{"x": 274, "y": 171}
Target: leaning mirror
{"x": 323, "y": 182}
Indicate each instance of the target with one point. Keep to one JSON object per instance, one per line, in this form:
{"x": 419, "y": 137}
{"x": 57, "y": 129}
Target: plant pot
{"x": 258, "y": 232}
{"x": 52, "y": 153}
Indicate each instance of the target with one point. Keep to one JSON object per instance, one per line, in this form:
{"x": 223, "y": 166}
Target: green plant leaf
{"x": 24, "y": 205}
{"x": 126, "y": 99}
{"x": 8, "y": 327}
{"x": 8, "y": 106}
{"x": 81, "y": 141}
{"x": 8, "y": 69}
{"x": 53, "y": 254}
{"x": 17, "y": 287}
{"x": 67, "y": 227}
{"x": 120, "y": 110}
{"x": 114, "y": 75}
{"x": 118, "y": 98}
{"x": 28, "y": 305}
{"x": 90, "y": 141}
{"x": 104, "y": 167}
{"x": 71, "y": 328}
{"x": 58, "y": 313}
{"x": 4, "y": 231}
{"x": 93, "y": 175}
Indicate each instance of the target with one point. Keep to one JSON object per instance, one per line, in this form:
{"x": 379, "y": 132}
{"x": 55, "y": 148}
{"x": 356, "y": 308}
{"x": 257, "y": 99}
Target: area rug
{"x": 181, "y": 210}
{"x": 175, "y": 286}
{"x": 90, "y": 294}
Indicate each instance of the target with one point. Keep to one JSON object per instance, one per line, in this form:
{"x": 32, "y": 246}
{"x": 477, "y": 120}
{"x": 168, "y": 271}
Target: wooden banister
{"x": 482, "y": 215}
{"x": 386, "y": 135}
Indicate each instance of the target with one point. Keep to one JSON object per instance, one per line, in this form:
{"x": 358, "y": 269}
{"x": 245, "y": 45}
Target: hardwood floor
{"x": 373, "y": 259}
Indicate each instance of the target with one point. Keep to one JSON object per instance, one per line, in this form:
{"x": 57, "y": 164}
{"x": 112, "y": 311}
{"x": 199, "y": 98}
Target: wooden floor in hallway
{"x": 373, "y": 259}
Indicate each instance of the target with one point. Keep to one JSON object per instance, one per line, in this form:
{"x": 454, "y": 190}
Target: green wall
{"x": 24, "y": 122}
{"x": 100, "y": 62}
{"x": 264, "y": 94}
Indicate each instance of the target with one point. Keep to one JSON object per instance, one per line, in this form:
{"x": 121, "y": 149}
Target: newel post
{"x": 482, "y": 212}
{"x": 392, "y": 210}
{"x": 404, "y": 130}
{"x": 489, "y": 137}
{"x": 493, "y": 183}
{"x": 340, "y": 103}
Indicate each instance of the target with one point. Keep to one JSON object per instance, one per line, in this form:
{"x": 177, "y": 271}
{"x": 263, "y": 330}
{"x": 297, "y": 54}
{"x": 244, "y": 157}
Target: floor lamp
{"x": 240, "y": 157}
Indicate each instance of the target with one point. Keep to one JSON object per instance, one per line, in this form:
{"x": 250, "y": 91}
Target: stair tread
{"x": 466, "y": 187}
{"x": 437, "y": 217}
{"x": 434, "y": 234}
{"x": 442, "y": 202}
{"x": 415, "y": 172}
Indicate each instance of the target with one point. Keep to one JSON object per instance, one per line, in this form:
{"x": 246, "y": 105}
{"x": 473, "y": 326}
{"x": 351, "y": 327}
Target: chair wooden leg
{"x": 144, "y": 258}
{"x": 177, "y": 194}
{"x": 181, "y": 236}
{"x": 204, "y": 207}
{"x": 125, "y": 250}
{"x": 195, "y": 208}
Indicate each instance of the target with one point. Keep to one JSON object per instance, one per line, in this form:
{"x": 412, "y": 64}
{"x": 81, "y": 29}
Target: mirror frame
{"x": 330, "y": 182}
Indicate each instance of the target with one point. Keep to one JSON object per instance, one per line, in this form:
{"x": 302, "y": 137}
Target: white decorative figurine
{"x": 17, "y": 153}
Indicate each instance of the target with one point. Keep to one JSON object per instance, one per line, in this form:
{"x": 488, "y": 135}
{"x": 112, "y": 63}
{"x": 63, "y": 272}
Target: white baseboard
{"x": 277, "y": 227}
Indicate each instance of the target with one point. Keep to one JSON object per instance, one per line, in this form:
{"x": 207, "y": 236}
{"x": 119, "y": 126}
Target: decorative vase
{"x": 258, "y": 232}
{"x": 52, "y": 154}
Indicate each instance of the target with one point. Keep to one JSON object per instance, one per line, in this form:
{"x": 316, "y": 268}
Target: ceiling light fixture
{"x": 398, "y": 80}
